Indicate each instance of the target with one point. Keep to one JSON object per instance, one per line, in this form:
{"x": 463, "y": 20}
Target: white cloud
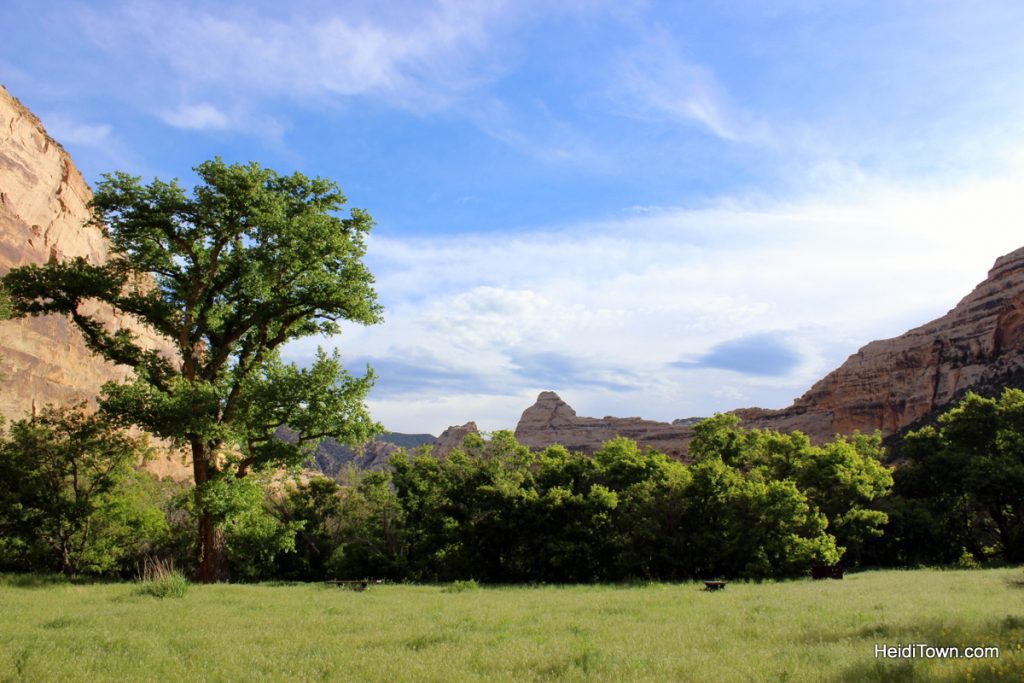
{"x": 606, "y": 308}
{"x": 98, "y": 139}
{"x": 654, "y": 80}
{"x": 196, "y": 117}
{"x": 416, "y": 58}
{"x": 72, "y": 132}
{"x": 539, "y": 134}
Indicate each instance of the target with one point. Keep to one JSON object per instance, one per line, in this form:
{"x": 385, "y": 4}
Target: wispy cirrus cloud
{"x": 74, "y": 132}
{"x": 654, "y": 80}
{"x": 101, "y": 139}
{"x": 418, "y": 57}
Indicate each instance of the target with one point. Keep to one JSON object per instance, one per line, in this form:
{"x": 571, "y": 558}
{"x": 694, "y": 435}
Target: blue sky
{"x": 655, "y": 209}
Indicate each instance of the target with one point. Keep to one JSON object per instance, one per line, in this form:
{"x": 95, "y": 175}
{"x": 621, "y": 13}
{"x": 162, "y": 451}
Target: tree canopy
{"x": 961, "y": 491}
{"x": 229, "y": 273}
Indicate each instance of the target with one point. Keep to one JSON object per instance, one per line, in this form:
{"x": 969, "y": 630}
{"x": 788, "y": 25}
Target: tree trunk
{"x": 212, "y": 562}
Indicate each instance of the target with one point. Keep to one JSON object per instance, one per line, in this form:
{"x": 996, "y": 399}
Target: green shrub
{"x": 462, "y": 586}
{"x": 967, "y": 560}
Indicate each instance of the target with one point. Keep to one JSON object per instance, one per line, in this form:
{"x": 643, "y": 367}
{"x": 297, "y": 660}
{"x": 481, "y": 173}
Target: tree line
{"x": 750, "y": 504}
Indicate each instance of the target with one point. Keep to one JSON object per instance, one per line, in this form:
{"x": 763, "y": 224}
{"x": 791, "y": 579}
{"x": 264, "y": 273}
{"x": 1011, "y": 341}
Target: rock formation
{"x": 890, "y": 385}
{"x": 333, "y": 458}
{"x": 43, "y": 210}
{"x": 551, "y": 420}
{"x": 452, "y": 438}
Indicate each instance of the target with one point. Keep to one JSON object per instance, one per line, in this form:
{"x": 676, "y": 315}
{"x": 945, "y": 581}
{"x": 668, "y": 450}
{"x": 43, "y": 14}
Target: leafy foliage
{"x": 962, "y": 490}
{"x": 494, "y": 511}
{"x": 842, "y": 480}
{"x": 6, "y": 309}
{"x": 246, "y": 262}
{"x": 69, "y": 498}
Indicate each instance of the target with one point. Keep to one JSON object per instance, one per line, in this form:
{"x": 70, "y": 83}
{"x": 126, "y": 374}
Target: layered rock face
{"x": 333, "y": 458}
{"x": 43, "y": 210}
{"x": 551, "y": 420}
{"x": 895, "y": 383}
{"x": 889, "y": 385}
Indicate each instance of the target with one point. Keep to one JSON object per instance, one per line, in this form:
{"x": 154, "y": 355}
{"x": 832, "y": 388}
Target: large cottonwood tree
{"x": 246, "y": 262}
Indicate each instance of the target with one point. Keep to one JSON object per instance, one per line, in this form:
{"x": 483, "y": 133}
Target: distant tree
{"x": 846, "y": 480}
{"x": 315, "y": 507}
{"x": 6, "y": 310}
{"x": 371, "y": 532}
{"x": 69, "y": 498}
{"x": 256, "y": 540}
{"x": 247, "y": 262}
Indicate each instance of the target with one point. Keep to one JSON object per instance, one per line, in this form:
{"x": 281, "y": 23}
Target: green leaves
{"x": 967, "y": 476}
{"x": 228, "y": 273}
{"x": 6, "y": 308}
{"x": 839, "y": 483}
{"x": 493, "y": 511}
{"x": 246, "y": 262}
{"x": 69, "y": 500}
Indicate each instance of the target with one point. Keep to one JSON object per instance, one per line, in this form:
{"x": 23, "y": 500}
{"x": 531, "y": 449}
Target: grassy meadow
{"x": 796, "y": 630}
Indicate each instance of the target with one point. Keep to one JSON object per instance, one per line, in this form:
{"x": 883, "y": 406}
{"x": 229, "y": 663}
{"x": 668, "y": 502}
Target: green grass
{"x": 798, "y": 630}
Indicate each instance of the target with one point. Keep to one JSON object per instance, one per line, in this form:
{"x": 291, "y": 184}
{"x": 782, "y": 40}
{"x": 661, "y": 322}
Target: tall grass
{"x": 160, "y": 579}
{"x": 798, "y": 630}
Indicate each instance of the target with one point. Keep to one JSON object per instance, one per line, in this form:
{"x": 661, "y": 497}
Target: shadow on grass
{"x": 1006, "y": 634}
{"x": 35, "y": 580}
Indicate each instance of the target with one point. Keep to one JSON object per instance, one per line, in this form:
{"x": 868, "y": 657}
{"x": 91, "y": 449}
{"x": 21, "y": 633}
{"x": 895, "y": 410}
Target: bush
{"x": 69, "y": 499}
{"x": 967, "y": 560}
{"x": 462, "y": 586}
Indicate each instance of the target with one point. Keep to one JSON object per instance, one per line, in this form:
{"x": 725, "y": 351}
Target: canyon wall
{"x": 889, "y": 385}
{"x": 43, "y": 212}
{"x": 896, "y": 383}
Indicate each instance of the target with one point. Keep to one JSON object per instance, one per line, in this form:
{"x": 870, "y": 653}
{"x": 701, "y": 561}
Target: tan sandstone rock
{"x": 551, "y": 420}
{"x": 43, "y": 210}
{"x": 452, "y": 438}
{"x": 892, "y": 384}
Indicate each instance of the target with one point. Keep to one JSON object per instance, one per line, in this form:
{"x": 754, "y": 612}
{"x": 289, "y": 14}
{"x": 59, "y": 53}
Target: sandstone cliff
{"x": 43, "y": 209}
{"x": 896, "y": 383}
{"x": 890, "y": 385}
